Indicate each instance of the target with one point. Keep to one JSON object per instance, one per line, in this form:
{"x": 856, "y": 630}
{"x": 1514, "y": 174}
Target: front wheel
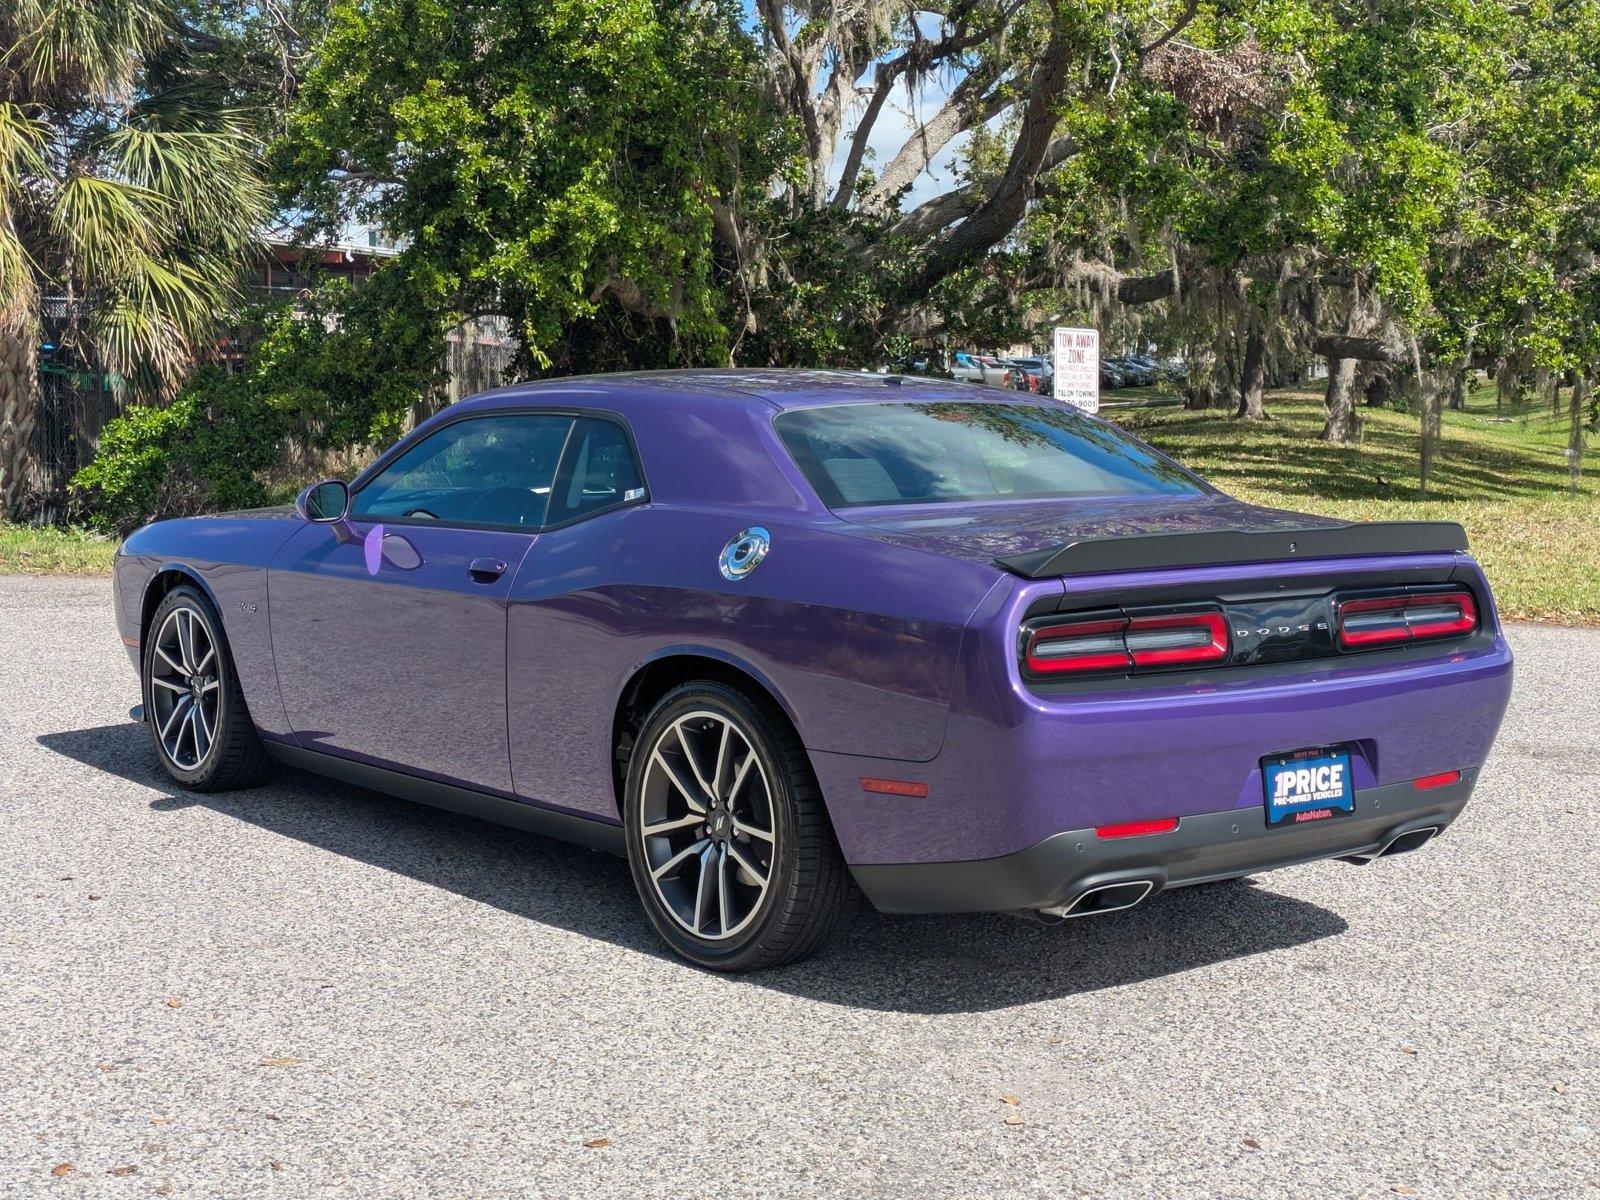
{"x": 198, "y": 722}
{"x": 729, "y": 843}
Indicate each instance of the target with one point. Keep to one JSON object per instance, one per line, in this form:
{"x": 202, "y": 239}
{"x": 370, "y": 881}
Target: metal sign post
{"x": 1077, "y": 367}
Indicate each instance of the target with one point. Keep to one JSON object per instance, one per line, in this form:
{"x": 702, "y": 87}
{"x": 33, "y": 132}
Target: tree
{"x": 129, "y": 197}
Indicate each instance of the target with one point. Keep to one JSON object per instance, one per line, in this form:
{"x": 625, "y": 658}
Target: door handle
{"x": 486, "y": 570}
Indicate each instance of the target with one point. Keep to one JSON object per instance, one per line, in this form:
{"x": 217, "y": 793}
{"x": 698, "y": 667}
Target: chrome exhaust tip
{"x": 1104, "y": 898}
{"x": 1400, "y": 843}
{"x": 1412, "y": 839}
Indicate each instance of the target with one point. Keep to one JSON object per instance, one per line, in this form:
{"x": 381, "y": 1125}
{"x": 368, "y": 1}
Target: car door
{"x": 564, "y": 619}
{"x": 389, "y": 627}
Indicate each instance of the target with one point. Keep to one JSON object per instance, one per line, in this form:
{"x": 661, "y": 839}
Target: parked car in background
{"x": 1037, "y": 374}
{"x": 981, "y": 368}
{"x": 1110, "y": 376}
{"x": 1133, "y": 372}
{"x": 775, "y": 635}
{"x": 966, "y": 368}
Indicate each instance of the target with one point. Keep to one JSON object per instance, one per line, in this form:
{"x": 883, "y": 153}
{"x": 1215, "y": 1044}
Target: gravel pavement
{"x": 311, "y": 990}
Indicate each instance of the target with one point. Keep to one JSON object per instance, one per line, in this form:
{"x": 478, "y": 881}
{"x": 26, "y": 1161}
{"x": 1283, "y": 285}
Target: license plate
{"x": 1308, "y": 785}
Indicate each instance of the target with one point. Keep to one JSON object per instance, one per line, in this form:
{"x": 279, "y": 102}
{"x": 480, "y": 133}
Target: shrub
{"x": 200, "y": 453}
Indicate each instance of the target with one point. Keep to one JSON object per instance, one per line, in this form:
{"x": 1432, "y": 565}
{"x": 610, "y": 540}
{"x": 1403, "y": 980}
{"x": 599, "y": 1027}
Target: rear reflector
{"x": 895, "y": 787}
{"x": 1388, "y": 620}
{"x": 1443, "y": 779}
{"x": 1120, "y": 643}
{"x": 1137, "y": 828}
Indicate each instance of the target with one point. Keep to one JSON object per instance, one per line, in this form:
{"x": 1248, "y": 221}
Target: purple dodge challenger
{"x": 777, "y": 635}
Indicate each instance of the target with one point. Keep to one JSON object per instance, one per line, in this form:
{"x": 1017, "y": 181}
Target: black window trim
{"x": 575, "y": 412}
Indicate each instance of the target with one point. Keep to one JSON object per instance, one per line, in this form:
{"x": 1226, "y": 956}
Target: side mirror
{"x": 324, "y": 503}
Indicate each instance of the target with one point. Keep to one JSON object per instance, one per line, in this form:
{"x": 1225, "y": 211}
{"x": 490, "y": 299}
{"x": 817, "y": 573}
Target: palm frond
{"x": 22, "y": 151}
{"x": 19, "y": 288}
{"x": 108, "y": 227}
{"x": 93, "y": 46}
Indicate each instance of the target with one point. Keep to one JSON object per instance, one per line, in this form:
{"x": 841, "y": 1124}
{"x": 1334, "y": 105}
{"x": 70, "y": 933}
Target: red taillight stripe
{"x": 895, "y": 787}
{"x": 1122, "y": 643}
{"x": 1208, "y": 640}
{"x": 1080, "y": 646}
{"x": 1442, "y": 779}
{"x": 1137, "y": 828}
{"x": 1404, "y": 618}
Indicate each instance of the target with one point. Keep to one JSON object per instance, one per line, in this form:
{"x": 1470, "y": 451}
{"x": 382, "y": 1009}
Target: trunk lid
{"x": 1023, "y": 535}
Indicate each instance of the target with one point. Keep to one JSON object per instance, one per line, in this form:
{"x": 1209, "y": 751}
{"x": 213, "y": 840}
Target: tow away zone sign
{"x": 1077, "y": 367}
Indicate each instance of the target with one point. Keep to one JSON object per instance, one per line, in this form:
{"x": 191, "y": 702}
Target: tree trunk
{"x": 19, "y": 399}
{"x": 1575, "y": 438}
{"x": 1253, "y": 379}
{"x": 1342, "y": 424}
{"x": 1458, "y": 389}
{"x": 1429, "y": 385}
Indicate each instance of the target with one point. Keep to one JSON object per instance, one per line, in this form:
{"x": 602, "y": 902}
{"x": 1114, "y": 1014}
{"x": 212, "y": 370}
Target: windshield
{"x": 865, "y": 454}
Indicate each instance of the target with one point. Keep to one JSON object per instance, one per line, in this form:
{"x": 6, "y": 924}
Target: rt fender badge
{"x": 744, "y": 553}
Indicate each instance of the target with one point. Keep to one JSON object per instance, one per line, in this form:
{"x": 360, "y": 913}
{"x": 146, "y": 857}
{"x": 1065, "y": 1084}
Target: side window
{"x": 493, "y": 470}
{"x": 600, "y": 471}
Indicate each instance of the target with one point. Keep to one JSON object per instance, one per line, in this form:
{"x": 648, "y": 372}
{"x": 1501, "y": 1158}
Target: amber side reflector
{"x": 1442, "y": 779}
{"x": 1137, "y": 828}
{"x": 895, "y": 787}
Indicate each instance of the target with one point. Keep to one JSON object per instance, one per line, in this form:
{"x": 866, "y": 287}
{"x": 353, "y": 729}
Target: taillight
{"x": 1119, "y": 643}
{"x": 1080, "y": 646}
{"x": 1187, "y": 638}
{"x": 1388, "y": 620}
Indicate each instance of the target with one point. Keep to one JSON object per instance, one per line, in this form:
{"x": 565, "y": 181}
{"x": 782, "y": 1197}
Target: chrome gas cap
{"x": 744, "y": 553}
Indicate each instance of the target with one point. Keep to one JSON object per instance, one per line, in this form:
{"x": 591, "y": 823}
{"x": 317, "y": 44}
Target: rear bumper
{"x": 1053, "y": 873}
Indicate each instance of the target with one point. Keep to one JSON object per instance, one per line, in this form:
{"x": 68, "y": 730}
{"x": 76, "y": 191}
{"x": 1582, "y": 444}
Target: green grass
{"x": 49, "y": 551}
{"x": 1505, "y": 480}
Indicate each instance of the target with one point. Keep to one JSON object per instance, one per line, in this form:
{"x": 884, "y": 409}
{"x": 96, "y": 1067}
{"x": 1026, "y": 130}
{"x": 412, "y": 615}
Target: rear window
{"x": 864, "y": 454}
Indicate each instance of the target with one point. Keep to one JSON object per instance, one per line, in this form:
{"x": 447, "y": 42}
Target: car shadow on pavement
{"x": 943, "y": 964}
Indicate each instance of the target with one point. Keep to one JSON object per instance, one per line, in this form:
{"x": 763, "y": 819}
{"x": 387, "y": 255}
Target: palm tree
{"x": 129, "y": 201}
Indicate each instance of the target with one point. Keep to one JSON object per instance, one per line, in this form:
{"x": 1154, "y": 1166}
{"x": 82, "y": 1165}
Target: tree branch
{"x": 919, "y": 58}
{"x": 999, "y": 215}
{"x": 974, "y": 101}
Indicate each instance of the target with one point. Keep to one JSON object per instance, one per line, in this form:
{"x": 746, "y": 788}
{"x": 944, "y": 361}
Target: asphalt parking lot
{"x": 309, "y": 990}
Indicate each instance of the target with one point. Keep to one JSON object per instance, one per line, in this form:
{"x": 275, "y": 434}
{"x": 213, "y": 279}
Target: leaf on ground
{"x": 275, "y": 1165}
{"x": 1008, "y": 1098}
{"x": 1252, "y": 1143}
{"x": 1408, "y": 1049}
{"x": 174, "y": 1002}
{"x": 1403, "y": 1190}
{"x": 129, "y": 1169}
{"x": 93, "y": 897}
{"x": 107, "y": 1066}
{"x": 61, "y": 1169}
{"x": 599, "y": 1143}
{"x": 161, "y": 1120}
{"x": 1013, "y": 1118}
{"x": 287, "y": 1060}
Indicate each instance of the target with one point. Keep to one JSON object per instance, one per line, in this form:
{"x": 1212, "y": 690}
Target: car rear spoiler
{"x": 1153, "y": 551}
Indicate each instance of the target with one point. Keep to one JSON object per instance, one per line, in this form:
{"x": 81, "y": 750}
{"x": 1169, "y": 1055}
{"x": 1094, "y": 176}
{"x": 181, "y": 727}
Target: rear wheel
{"x": 729, "y": 843}
{"x": 192, "y": 703}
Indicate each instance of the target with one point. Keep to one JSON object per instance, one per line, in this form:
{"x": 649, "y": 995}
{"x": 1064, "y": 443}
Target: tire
{"x": 706, "y": 868}
{"x": 187, "y": 663}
